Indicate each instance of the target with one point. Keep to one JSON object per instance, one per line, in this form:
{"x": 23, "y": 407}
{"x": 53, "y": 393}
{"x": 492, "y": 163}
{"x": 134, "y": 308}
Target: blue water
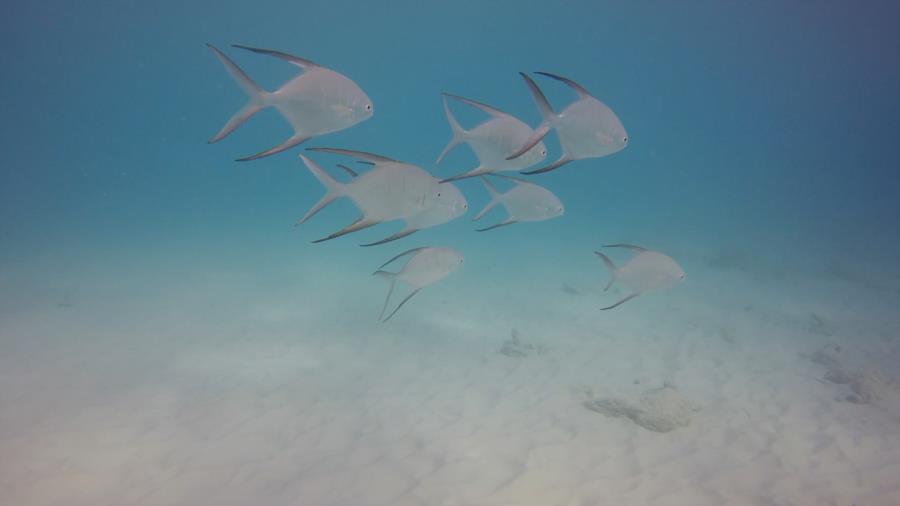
{"x": 763, "y": 137}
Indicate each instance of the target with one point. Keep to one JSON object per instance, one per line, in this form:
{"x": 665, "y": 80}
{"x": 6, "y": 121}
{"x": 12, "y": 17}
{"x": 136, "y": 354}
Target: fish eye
{"x": 368, "y": 107}
{"x": 543, "y": 152}
{"x": 624, "y": 140}
{"x": 438, "y": 194}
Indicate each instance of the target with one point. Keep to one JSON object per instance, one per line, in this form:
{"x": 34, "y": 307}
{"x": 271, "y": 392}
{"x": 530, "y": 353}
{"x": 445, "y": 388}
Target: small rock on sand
{"x": 516, "y": 347}
{"x": 659, "y": 409}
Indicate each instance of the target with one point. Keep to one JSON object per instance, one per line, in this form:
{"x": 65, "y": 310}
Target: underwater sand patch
{"x": 661, "y": 409}
{"x": 517, "y": 348}
{"x": 866, "y": 385}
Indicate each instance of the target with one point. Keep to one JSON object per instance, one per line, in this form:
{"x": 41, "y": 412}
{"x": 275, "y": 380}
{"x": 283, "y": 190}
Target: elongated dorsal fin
{"x": 581, "y": 90}
{"x": 362, "y": 155}
{"x": 632, "y": 247}
{"x": 296, "y": 60}
{"x": 407, "y": 252}
{"x": 493, "y": 111}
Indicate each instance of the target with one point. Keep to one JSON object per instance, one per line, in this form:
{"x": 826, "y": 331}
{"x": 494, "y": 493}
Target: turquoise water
{"x": 144, "y": 272}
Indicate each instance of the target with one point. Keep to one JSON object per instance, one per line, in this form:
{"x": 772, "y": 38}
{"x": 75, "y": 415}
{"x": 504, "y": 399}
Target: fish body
{"x": 650, "y": 270}
{"x": 587, "y": 128}
{"x": 424, "y": 267}
{"x": 430, "y": 265}
{"x": 525, "y": 201}
{"x": 492, "y": 141}
{"x": 646, "y": 271}
{"x": 321, "y": 101}
{"x": 392, "y": 190}
{"x": 316, "y": 102}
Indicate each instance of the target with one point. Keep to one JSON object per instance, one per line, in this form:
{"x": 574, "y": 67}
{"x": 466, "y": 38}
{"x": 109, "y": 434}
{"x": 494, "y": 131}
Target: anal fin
{"x": 399, "y": 235}
{"x": 498, "y": 225}
{"x": 353, "y": 227}
{"x": 617, "y": 304}
{"x": 553, "y": 166}
{"x": 292, "y": 141}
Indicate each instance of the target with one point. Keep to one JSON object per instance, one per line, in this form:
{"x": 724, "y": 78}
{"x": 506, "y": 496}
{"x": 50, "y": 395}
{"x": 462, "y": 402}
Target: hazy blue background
{"x": 770, "y": 126}
{"x": 168, "y": 337}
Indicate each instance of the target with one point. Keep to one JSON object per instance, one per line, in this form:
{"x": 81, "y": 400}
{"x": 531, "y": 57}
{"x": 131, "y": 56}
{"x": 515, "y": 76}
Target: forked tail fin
{"x": 609, "y": 265}
{"x": 256, "y": 94}
{"x": 495, "y": 199}
{"x": 459, "y": 135}
{"x": 333, "y": 188}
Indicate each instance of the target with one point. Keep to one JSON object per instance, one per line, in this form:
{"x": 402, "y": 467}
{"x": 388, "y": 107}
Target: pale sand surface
{"x": 202, "y": 386}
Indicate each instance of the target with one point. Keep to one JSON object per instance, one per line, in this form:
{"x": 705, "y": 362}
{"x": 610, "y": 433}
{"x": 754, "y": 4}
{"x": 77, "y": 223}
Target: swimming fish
{"x": 392, "y": 190}
{"x": 316, "y": 102}
{"x": 525, "y": 201}
{"x": 645, "y": 271}
{"x": 426, "y": 266}
{"x": 587, "y": 128}
{"x": 492, "y": 140}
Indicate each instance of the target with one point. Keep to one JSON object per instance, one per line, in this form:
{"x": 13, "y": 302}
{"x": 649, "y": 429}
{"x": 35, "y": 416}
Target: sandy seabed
{"x": 122, "y": 386}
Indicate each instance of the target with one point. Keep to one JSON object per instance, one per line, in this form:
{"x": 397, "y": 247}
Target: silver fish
{"x": 525, "y": 201}
{"x": 392, "y": 190}
{"x": 492, "y": 140}
{"x": 587, "y": 128}
{"x": 426, "y": 266}
{"x": 316, "y": 102}
{"x": 645, "y": 271}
